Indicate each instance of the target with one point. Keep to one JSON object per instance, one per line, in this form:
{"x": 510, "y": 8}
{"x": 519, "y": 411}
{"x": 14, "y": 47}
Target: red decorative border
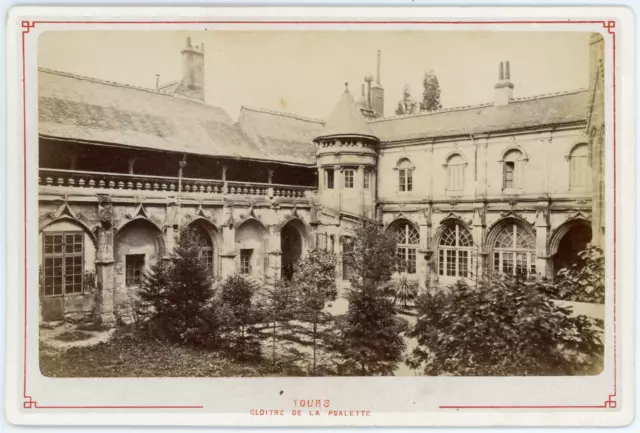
{"x": 609, "y": 403}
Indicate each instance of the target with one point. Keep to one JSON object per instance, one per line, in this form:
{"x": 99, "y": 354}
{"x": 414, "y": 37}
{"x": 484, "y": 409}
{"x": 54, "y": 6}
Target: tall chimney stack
{"x": 377, "y": 92}
{"x": 192, "y": 83}
{"x": 504, "y": 86}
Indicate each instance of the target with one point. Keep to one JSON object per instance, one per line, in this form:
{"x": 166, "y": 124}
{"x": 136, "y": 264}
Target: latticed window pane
{"x": 402, "y": 180}
{"x": 463, "y": 263}
{"x": 451, "y": 263}
{"x": 134, "y": 264}
{"x": 411, "y": 260}
{"x": 525, "y": 240}
{"x": 206, "y": 258}
{"x": 245, "y": 261}
{"x": 509, "y": 173}
{"x": 515, "y": 251}
{"x": 348, "y": 178}
{"x": 448, "y": 237}
{"x": 505, "y": 238}
{"x": 507, "y": 263}
{"x": 63, "y": 263}
{"x": 496, "y": 262}
{"x": 441, "y": 262}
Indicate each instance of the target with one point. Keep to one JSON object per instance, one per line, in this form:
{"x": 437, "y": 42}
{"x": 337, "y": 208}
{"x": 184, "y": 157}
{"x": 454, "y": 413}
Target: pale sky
{"x": 305, "y": 72}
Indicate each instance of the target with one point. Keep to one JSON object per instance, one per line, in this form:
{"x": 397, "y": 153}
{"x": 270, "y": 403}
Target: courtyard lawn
{"x": 129, "y": 355}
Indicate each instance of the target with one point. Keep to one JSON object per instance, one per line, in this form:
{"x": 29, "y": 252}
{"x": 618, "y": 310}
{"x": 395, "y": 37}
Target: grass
{"x": 131, "y": 355}
{"x": 73, "y": 336}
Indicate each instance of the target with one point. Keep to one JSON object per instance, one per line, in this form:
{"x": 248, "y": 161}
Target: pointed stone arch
{"x": 65, "y": 213}
{"x": 565, "y": 242}
{"x": 508, "y": 219}
{"x": 294, "y": 242}
{"x": 214, "y": 235}
{"x": 446, "y": 223}
{"x": 252, "y": 246}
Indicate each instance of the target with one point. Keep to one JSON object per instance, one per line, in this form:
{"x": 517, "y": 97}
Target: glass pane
{"x": 451, "y": 263}
{"x": 463, "y": 263}
{"x": 441, "y": 262}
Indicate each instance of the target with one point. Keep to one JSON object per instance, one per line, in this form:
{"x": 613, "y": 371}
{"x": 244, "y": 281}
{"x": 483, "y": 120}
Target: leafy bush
{"x": 502, "y": 326}
{"x": 581, "y": 283}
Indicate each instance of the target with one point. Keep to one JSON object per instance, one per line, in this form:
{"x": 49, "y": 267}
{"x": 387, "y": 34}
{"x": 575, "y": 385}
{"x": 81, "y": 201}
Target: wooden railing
{"x": 121, "y": 181}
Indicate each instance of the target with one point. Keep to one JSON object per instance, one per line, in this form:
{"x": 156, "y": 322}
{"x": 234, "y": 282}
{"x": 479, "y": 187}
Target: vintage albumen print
{"x": 396, "y": 234}
{"x": 249, "y": 203}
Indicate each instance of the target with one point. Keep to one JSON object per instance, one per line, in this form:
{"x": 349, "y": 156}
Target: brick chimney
{"x": 192, "y": 84}
{"x": 504, "y": 86}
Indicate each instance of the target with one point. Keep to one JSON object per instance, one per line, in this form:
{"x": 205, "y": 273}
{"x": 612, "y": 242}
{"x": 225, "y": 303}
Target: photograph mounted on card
{"x": 321, "y": 220}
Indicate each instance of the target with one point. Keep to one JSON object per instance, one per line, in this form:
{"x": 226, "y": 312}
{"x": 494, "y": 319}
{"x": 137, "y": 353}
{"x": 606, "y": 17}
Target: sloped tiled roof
{"x": 283, "y": 136}
{"x": 83, "y": 108}
{"x": 346, "y": 118}
{"x": 519, "y": 113}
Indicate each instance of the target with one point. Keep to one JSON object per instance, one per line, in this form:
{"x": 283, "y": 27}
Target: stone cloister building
{"x": 505, "y": 185}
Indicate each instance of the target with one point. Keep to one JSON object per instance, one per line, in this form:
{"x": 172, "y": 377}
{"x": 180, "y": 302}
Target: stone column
{"x": 270, "y": 181}
{"x": 478, "y": 234}
{"x": 275, "y": 253}
{"x": 424, "y": 254}
{"x": 542, "y": 231}
{"x": 359, "y": 180}
{"x": 224, "y": 179}
{"x": 104, "y": 278}
{"x": 337, "y": 183}
{"x": 228, "y": 254}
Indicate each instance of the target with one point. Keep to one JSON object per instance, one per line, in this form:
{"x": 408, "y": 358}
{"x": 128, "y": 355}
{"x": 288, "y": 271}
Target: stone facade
{"x": 504, "y": 186}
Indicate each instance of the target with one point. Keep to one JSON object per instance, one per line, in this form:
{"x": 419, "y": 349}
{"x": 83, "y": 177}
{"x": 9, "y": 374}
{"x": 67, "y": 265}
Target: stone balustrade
{"x": 119, "y": 181}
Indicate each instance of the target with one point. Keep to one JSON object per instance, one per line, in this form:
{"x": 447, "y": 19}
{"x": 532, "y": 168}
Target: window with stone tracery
{"x": 514, "y": 251}
{"x": 407, "y": 241}
{"x": 455, "y": 252}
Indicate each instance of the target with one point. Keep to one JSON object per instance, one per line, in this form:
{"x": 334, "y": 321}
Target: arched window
{"x": 405, "y": 175}
{"x": 514, "y": 251}
{"x": 580, "y": 173}
{"x": 455, "y": 173}
{"x": 512, "y": 166}
{"x": 407, "y": 241}
{"x": 454, "y": 252}
{"x": 205, "y": 246}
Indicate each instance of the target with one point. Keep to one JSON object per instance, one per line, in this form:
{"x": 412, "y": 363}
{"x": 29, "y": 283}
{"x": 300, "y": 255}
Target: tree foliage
{"x": 584, "y": 282}
{"x": 502, "y": 326}
{"x": 370, "y": 342}
{"x": 407, "y": 105}
{"x": 315, "y": 281}
{"x": 431, "y": 92}
{"x": 176, "y": 296}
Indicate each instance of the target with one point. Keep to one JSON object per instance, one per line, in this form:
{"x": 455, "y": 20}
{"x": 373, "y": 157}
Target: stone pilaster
{"x": 478, "y": 227}
{"x": 228, "y": 254}
{"x": 105, "y": 263}
{"x": 542, "y": 234}
{"x": 274, "y": 260}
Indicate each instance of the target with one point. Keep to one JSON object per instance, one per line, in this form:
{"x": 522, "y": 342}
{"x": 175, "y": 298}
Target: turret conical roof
{"x": 346, "y": 119}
